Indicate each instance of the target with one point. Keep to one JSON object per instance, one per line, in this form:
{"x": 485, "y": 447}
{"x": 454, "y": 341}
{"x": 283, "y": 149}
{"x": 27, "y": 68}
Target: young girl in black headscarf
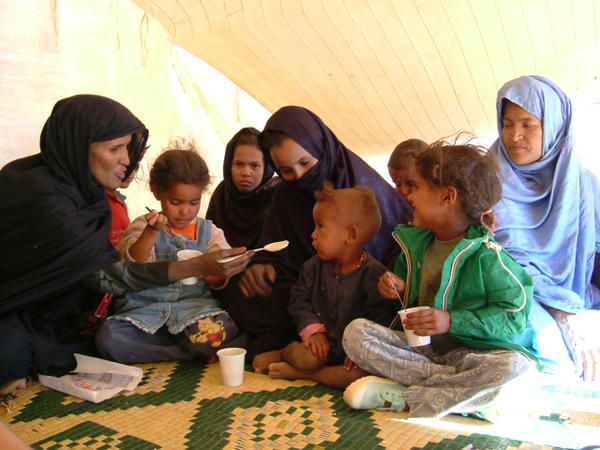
{"x": 54, "y": 233}
{"x": 239, "y": 204}
{"x": 305, "y": 153}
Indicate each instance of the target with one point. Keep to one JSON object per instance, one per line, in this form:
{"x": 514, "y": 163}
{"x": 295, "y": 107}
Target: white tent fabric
{"x": 382, "y": 71}
{"x": 54, "y": 49}
{"x": 376, "y": 71}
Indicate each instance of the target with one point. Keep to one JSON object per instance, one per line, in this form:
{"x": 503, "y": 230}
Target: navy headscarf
{"x": 291, "y": 212}
{"x": 54, "y": 217}
{"x": 240, "y": 215}
{"x": 549, "y": 216}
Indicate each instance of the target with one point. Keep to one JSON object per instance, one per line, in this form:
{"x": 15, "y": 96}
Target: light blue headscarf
{"x": 549, "y": 215}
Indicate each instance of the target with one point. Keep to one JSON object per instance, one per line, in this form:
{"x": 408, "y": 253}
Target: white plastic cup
{"x": 231, "y": 361}
{"x": 182, "y": 255}
{"x": 413, "y": 339}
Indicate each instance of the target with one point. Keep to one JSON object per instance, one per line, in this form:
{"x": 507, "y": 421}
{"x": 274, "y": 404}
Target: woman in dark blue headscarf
{"x": 305, "y": 153}
{"x": 54, "y": 234}
{"x": 549, "y": 216}
{"x": 54, "y": 227}
{"x": 238, "y": 210}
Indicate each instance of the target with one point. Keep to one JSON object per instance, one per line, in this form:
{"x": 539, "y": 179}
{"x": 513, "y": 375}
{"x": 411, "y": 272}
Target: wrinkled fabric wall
{"x": 50, "y": 49}
{"x": 55, "y": 49}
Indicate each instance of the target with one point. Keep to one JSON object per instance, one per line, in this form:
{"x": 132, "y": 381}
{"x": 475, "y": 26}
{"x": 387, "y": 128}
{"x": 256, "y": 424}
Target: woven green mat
{"x": 183, "y": 405}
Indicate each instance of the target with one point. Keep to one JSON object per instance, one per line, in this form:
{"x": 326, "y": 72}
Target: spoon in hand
{"x": 272, "y": 247}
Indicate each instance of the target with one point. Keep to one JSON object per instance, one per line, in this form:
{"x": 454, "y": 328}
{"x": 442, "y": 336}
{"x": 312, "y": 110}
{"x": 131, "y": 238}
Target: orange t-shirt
{"x": 190, "y": 231}
{"x": 120, "y": 217}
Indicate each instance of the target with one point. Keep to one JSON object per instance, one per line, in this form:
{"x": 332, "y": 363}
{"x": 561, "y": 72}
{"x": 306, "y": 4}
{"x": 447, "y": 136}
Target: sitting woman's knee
{"x": 16, "y": 352}
{"x": 108, "y": 338}
{"x": 209, "y": 334}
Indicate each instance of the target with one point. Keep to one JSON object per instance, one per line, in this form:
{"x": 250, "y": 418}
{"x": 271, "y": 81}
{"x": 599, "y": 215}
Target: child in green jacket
{"x": 478, "y": 297}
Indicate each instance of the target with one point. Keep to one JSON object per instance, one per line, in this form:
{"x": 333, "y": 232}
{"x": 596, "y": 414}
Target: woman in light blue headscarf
{"x": 549, "y": 220}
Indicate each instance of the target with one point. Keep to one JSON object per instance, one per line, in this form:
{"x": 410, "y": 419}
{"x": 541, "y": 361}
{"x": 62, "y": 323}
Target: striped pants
{"x": 464, "y": 380}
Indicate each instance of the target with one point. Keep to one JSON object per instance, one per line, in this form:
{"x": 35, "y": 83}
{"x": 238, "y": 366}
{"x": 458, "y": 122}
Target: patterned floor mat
{"x": 183, "y": 405}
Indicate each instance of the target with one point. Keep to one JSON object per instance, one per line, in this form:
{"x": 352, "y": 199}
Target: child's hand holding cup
{"x": 414, "y": 340}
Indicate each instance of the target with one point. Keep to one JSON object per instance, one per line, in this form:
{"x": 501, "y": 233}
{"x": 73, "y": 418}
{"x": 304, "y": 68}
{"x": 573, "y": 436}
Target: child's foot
{"x": 261, "y": 362}
{"x": 375, "y": 392}
{"x": 284, "y": 370}
{"x": 12, "y": 386}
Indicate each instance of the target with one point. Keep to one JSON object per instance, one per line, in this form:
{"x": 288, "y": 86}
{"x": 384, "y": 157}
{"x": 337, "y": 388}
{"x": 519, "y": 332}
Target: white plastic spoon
{"x": 272, "y": 247}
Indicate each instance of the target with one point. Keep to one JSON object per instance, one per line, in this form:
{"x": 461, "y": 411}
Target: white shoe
{"x": 375, "y": 392}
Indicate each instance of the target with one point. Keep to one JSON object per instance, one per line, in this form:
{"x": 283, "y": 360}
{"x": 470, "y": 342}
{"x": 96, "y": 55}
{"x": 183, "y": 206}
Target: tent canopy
{"x": 379, "y": 72}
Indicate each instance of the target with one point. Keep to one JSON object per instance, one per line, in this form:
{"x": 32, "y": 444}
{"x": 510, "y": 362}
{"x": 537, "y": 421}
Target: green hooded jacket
{"x": 487, "y": 293}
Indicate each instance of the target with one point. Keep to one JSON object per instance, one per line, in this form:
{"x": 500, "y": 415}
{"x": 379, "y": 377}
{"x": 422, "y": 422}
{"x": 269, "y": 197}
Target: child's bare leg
{"x": 292, "y": 353}
{"x": 261, "y": 362}
{"x": 301, "y": 358}
{"x": 333, "y": 376}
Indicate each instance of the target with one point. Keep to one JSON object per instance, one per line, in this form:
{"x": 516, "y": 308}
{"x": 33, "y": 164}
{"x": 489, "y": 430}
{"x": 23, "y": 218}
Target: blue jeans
{"x": 121, "y": 341}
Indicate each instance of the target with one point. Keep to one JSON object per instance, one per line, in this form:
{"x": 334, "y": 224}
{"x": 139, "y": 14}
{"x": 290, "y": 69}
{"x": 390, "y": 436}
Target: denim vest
{"x": 176, "y": 305}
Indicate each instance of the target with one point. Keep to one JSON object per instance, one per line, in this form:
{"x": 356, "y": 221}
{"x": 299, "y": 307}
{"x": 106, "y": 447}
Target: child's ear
{"x": 449, "y": 195}
{"x": 352, "y": 234}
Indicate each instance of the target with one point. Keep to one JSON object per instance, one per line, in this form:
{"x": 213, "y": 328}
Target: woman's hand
{"x": 318, "y": 344}
{"x": 211, "y": 267}
{"x": 208, "y": 265}
{"x": 256, "y": 279}
{"x": 580, "y": 333}
{"x": 587, "y": 359}
{"x": 428, "y": 322}
{"x": 390, "y": 286}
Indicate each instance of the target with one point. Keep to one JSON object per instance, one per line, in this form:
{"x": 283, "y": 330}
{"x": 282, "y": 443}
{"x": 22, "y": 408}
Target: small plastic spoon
{"x": 272, "y": 247}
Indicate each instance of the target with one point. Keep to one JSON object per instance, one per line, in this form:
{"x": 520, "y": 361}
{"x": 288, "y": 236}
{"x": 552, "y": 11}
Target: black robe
{"x": 240, "y": 215}
{"x": 290, "y": 218}
{"x": 54, "y": 227}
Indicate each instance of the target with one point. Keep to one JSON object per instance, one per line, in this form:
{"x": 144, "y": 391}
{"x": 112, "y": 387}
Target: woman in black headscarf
{"x": 305, "y": 153}
{"x": 55, "y": 223}
{"x": 240, "y": 202}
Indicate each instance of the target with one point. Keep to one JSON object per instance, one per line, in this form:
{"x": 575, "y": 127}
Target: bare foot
{"x": 12, "y": 386}
{"x": 284, "y": 370}
{"x": 261, "y": 362}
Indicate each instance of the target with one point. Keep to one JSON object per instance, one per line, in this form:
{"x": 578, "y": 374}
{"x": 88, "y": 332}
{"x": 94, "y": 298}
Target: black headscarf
{"x": 290, "y": 215}
{"x": 54, "y": 217}
{"x": 240, "y": 215}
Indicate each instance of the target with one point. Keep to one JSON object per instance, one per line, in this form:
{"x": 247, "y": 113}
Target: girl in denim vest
{"x": 179, "y": 321}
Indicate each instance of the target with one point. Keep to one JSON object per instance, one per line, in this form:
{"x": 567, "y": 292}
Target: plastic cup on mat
{"x": 413, "y": 339}
{"x": 231, "y": 361}
{"x": 182, "y": 255}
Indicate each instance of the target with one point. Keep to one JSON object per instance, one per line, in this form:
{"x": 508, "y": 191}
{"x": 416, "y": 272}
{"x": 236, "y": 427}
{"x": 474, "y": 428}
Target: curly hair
{"x": 404, "y": 154}
{"x": 357, "y": 205}
{"x": 179, "y": 163}
{"x": 469, "y": 169}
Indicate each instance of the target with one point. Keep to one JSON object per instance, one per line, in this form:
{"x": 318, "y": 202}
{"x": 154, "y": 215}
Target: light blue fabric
{"x": 176, "y": 305}
{"x": 549, "y": 215}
